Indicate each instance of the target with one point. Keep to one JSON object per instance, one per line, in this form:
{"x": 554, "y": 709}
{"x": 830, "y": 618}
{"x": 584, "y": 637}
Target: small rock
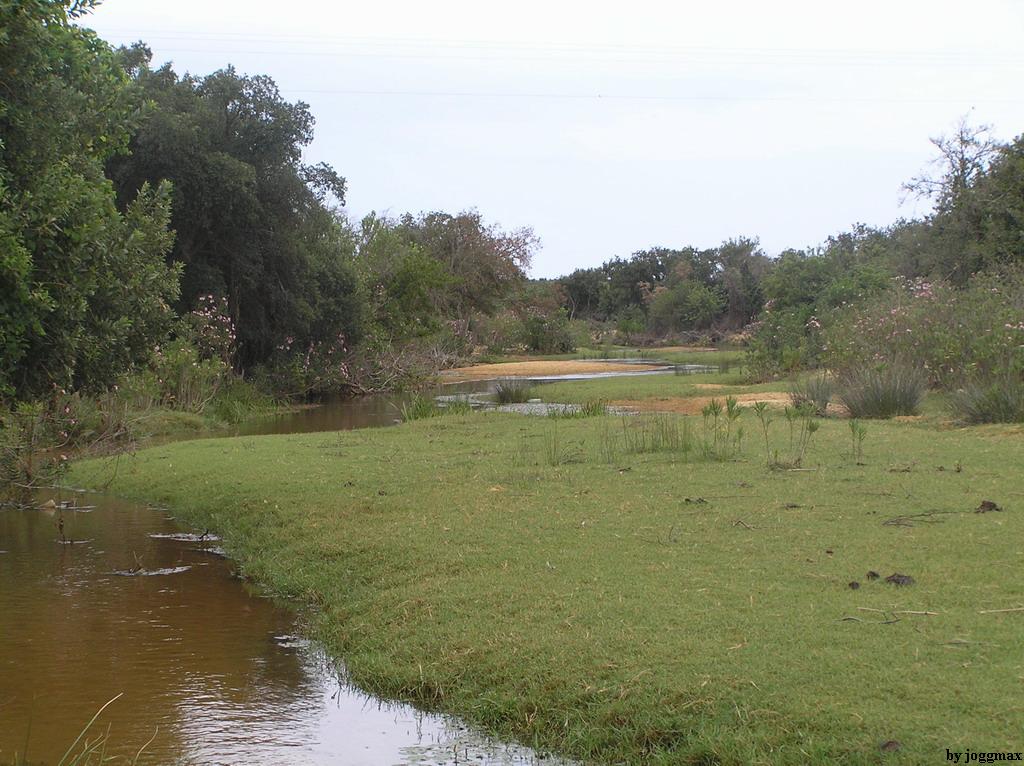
{"x": 987, "y": 506}
{"x": 854, "y": 585}
{"x": 900, "y": 580}
{"x": 872, "y": 575}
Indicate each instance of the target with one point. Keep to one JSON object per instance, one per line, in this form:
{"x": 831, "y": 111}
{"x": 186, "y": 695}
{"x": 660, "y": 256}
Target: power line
{"x": 490, "y": 50}
{"x": 641, "y": 97}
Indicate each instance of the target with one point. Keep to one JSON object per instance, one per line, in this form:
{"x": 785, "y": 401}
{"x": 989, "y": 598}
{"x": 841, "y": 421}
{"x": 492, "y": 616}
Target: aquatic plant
{"x": 512, "y": 391}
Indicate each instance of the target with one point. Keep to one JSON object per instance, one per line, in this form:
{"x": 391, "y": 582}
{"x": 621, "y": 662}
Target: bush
{"x": 547, "y": 334}
{"x": 781, "y": 342}
{"x": 883, "y": 392}
{"x": 998, "y": 400}
{"x": 814, "y": 391}
{"x": 945, "y": 332}
{"x": 513, "y": 391}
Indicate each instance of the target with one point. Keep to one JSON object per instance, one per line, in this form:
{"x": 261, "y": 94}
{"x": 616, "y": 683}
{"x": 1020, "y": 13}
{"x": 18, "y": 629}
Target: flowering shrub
{"x": 303, "y": 369}
{"x": 178, "y": 377}
{"x": 783, "y": 341}
{"x": 951, "y": 335}
{"x": 213, "y": 329}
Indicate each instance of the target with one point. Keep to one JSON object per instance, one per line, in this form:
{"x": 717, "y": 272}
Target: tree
{"x": 254, "y": 224}
{"x": 85, "y": 292}
{"x": 957, "y": 221}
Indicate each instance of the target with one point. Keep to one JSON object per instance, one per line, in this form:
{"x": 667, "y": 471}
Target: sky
{"x": 609, "y": 128}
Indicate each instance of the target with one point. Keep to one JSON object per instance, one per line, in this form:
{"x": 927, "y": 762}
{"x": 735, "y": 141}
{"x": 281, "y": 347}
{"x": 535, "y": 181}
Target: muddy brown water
{"x": 212, "y": 671}
{"x": 217, "y": 672}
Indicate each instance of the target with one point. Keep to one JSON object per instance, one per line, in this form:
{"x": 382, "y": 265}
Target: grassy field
{"x": 641, "y": 387}
{"x": 538, "y": 578}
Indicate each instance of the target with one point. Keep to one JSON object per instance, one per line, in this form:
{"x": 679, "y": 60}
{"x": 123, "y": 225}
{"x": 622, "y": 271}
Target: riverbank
{"x": 537, "y": 578}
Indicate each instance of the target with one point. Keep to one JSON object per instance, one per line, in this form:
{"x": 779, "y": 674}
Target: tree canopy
{"x": 84, "y": 289}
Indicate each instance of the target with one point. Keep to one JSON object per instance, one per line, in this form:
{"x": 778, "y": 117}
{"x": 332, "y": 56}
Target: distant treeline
{"x": 976, "y": 227}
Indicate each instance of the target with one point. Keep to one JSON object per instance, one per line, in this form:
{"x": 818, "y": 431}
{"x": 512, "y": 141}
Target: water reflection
{"x": 211, "y": 667}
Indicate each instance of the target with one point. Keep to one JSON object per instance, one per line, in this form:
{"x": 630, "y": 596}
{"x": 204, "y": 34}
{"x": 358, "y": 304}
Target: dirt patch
{"x": 694, "y": 404}
{"x": 538, "y": 369}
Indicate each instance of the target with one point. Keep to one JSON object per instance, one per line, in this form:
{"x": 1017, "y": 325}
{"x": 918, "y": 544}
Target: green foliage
{"x": 420, "y": 406}
{"x": 27, "y": 446}
{"x": 813, "y": 390}
{"x": 883, "y": 391}
{"x": 254, "y": 224}
{"x": 801, "y": 427}
{"x": 629, "y": 324}
{"x": 687, "y": 305}
{"x": 645, "y": 434}
{"x": 723, "y": 436}
{"x": 858, "y": 433}
{"x": 949, "y": 334}
{"x": 589, "y": 409}
{"x": 85, "y": 291}
{"x": 547, "y": 334}
{"x": 667, "y": 290}
{"x": 783, "y": 341}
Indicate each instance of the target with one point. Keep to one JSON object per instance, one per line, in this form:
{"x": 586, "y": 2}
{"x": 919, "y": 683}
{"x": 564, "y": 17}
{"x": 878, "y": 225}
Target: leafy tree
{"x": 253, "y": 223}
{"x": 484, "y": 263}
{"x": 85, "y": 291}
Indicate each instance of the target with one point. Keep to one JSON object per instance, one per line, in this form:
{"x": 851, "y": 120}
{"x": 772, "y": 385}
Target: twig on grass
{"x": 908, "y": 520}
{"x": 998, "y": 611}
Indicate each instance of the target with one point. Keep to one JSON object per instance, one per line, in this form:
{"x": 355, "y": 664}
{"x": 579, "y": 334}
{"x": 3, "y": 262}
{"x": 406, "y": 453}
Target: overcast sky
{"x": 610, "y": 128}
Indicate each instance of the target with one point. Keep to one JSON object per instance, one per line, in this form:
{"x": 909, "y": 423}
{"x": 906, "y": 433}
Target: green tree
{"x": 254, "y": 224}
{"x": 85, "y": 291}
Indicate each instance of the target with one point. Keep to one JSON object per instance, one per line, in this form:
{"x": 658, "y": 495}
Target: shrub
{"x": 781, "y": 342}
{"x": 997, "y": 400}
{"x": 28, "y": 443}
{"x": 945, "y": 332}
{"x": 883, "y": 392}
{"x": 814, "y": 391}
{"x": 512, "y": 391}
{"x": 547, "y": 334}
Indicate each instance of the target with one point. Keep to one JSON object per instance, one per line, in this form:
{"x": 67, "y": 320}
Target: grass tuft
{"x": 1000, "y": 400}
{"x": 814, "y": 390}
{"x": 513, "y": 391}
{"x": 883, "y": 392}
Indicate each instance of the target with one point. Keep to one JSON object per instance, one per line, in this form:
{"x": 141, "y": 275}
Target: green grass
{"x": 649, "y": 387}
{"x": 640, "y": 608}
